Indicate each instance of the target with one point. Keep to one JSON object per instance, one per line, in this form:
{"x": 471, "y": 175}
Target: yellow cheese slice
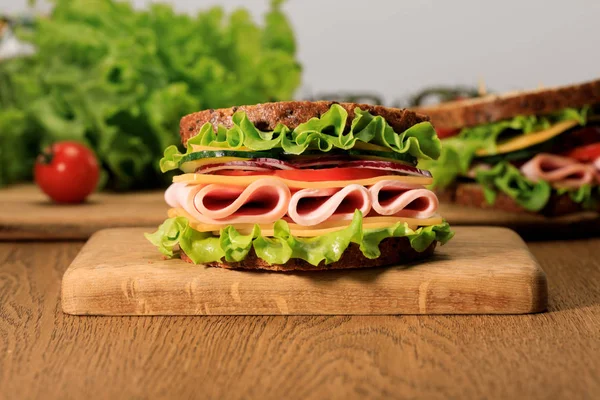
{"x": 206, "y": 179}
{"x": 308, "y": 231}
{"x": 530, "y": 139}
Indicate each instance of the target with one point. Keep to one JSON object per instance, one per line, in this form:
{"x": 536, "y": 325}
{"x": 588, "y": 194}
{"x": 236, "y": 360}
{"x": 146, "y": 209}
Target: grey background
{"x": 395, "y": 48}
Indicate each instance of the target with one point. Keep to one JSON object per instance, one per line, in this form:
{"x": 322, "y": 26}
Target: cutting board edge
{"x": 80, "y": 296}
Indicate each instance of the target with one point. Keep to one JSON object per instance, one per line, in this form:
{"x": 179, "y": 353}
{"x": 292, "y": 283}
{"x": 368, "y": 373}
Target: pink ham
{"x": 263, "y": 201}
{"x": 596, "y": 165}
{"x": 176, "y": 194}
{"x": 561, "y": 172}
{"x": 403, "y": 200}
{"x": 312, "y": 206}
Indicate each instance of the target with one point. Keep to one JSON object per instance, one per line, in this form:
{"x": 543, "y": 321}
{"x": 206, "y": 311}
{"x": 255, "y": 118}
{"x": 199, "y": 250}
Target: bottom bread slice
{"x": 471, "y": 194}
{"x": 394, "y": 251}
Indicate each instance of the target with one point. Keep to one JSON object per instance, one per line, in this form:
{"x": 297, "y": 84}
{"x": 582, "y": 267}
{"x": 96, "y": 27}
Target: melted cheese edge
{"x": 206, "y": 179}
{"x": 530, "y": 139}
{"x": 308, "y": 231}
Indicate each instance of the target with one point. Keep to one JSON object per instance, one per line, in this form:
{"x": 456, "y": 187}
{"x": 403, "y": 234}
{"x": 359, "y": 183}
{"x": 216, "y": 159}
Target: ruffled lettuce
{"x": 533, "y": 196}
{"x": 586, "y": 195}
{"x": 459, "y": 152}
{"x": 282, "y": 246}
{"x": 324, "y": 133}
{"x": 507, "y": 179}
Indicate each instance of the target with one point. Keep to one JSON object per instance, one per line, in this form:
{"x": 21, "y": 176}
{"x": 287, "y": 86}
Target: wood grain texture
{"x": 529, "y": 226}
{"x": 481, "y": 271}
{"x": 47, "y": 354}
{"x": 26, "y": 213}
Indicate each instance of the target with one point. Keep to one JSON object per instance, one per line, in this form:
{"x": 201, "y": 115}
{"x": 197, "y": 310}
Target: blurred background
{"x": 119, "y": 78}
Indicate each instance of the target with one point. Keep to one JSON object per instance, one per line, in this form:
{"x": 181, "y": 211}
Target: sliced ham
{"x": 561, "y": 172}
{"x": 596, "y": 165}
{"x": 175, "y": 192}
{"x": 403, "y": 200}
{"x": 263, "y": 201}
{"x": 312, "y": 206}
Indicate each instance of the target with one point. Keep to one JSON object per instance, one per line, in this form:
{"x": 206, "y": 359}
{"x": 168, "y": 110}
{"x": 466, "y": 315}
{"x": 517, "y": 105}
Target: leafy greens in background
{"x": 119, "y": 79}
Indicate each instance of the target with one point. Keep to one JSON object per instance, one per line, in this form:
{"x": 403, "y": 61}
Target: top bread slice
{"x": 493, "y": 108}
{"x": 266, "y": 116}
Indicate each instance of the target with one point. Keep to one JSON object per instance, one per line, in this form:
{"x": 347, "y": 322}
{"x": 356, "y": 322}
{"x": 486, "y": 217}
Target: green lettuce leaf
{"x": 458, "y": 152}
{"x": 586, "y": 195}
{"x": 17, "y": 145}
{"x": 199, "y": 246}
{"x": 118, "y": 78}
{"x": 282, "y": 246}
{"x": 324, "y": 133}
{"x": 507, "y": 178}
{"x": 167, "y": 235}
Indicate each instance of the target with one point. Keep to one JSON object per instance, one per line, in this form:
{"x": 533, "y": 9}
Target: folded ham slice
{"x": 312, "y": 206}
{"x": 403, "y": 200}
{"x": 263, "y": 201}
{"x": 561, "y": 172}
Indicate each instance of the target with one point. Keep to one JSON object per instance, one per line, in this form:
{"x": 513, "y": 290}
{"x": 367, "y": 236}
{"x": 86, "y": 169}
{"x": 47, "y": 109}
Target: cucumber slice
{"x": 190, "y": 162}
{"x": 198, "y": 155}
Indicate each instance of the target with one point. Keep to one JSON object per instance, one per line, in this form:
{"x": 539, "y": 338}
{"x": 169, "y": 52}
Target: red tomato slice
{"x": 446, "y": 133}
{"x": 586, "y": 153}
{"x": 313, "y": 175}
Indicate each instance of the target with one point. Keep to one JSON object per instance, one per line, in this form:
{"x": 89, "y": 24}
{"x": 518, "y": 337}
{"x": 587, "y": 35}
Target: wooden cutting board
{"x": 26, "y": 213}
{"x": 529, "y": 226}
{"x": 481, "y": 271}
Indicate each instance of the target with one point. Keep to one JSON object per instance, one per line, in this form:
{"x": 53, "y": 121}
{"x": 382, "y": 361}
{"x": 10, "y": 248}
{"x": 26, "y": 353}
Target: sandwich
{"x": 302, "y": 186}
{"x": 533, "y": 151}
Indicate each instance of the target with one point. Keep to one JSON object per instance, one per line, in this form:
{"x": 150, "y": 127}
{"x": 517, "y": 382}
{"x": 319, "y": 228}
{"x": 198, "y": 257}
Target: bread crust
{"x": 493, "y": 108}
{"x": 471, "y": 194}
{"x": 266, "y": 116}
{"x": 394, "y": 251}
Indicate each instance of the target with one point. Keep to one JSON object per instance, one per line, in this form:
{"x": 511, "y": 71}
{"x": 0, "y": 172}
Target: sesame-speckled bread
{"x": 394, "y": 251}
{"x": 492, "y": 108}
{"x": 266, "y": 116}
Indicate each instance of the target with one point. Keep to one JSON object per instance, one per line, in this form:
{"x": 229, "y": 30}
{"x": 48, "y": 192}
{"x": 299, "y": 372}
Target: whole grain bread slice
{"x": 493, "y": 108}
{"x": 394, "y": 251}
{"x": 266, "y": 116}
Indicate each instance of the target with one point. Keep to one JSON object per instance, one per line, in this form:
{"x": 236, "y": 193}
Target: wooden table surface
{"x": 46, "y": 354}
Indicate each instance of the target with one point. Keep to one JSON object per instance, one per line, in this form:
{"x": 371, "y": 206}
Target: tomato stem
{"x": 46, "y": 156}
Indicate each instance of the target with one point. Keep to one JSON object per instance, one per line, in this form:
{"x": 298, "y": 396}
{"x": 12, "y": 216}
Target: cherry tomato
{"x": 67, "y": 172}
{"x": 313, "y": 175}
{"x": 586, "y": 153}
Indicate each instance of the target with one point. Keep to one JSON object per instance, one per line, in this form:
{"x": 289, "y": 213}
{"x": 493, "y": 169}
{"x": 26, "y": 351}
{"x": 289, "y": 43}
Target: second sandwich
{"x": 532, "y": 151}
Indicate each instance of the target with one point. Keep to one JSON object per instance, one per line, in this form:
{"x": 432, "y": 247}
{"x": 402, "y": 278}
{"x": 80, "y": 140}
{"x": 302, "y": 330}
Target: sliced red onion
{"x": 318, "y": 162}
{"x": 258, "y": 164}
{"x": 270, "y": 164}
{"x": 386, "y": 166}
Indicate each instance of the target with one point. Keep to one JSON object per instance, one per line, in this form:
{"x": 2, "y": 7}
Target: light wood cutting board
{"x": 26, "y": 213}
{"x": 481, "y": 271}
